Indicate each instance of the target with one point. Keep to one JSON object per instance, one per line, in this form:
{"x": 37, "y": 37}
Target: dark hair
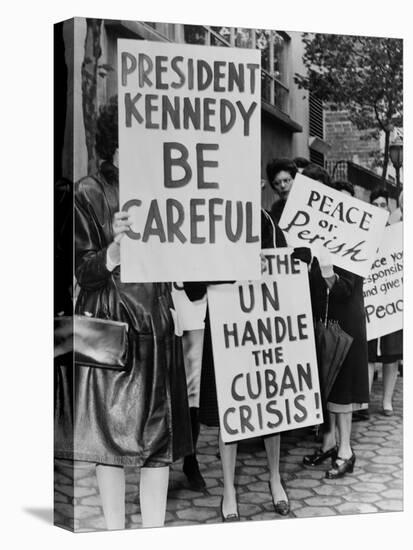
{"x": 279, "y": 165}
{"x": 344, "y": 185}
{"x": 301, "y": 162}
{"x": 107, "y": 130}
{"x": 379, "y": 192}
{"x": 318, "y": 173}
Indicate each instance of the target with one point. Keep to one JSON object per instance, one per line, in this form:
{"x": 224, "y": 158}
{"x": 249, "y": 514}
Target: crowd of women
{"x": 148, "y": 415}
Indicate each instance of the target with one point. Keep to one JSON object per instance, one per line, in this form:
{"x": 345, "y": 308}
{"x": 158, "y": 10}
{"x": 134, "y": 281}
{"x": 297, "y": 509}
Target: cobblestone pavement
{"x": 375, "y": 486}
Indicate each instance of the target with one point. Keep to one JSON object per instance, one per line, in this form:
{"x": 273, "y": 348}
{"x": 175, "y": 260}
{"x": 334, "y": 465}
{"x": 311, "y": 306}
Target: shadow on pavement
{"x": 44, "y": 514}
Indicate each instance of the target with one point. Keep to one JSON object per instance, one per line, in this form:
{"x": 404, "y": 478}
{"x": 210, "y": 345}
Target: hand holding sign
{"x": 122, "y": 222}
{"x": 121, "y": 225}
{"x": 326, "y": 263}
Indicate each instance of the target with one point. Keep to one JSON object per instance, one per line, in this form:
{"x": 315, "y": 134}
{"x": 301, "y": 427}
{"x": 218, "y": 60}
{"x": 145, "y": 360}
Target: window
{"x": 272, "y": 44}
{"x": 163, "y": 30}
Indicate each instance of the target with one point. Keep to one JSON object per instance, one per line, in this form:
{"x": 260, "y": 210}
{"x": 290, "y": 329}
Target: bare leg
{"x": 330, "y": 437}
{"x": 372, "y": 368}
{"x": 272, "y": 446}
{"x": 344, "y": 433}
{"x": 111, "y": 483}
{"x": 228, "y": 452}
{"x": 390, "y": 372}
{"x": 153, "y": 490}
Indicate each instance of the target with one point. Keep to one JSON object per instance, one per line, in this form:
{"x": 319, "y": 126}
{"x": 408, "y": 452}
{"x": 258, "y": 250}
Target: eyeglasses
{"x": 281, "y": 181}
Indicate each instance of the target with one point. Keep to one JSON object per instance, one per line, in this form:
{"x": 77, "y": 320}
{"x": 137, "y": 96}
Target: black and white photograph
{"x": 228, "y": 274}
{"x": 205, "y": 295}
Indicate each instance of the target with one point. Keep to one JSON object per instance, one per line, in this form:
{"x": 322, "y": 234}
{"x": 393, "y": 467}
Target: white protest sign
{"x": 189, "y": 161}
{"x": 383, "y": 287}
{"x": 350, "y": 229}
{"x": 264, "y": 351}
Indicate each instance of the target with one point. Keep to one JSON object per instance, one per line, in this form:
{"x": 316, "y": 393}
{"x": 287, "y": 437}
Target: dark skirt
{"x": 208, "y": 402}
{"x": 391, "y": 348}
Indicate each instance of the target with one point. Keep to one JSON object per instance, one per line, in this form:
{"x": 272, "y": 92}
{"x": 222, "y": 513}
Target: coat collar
{"x": 109, "y": 172}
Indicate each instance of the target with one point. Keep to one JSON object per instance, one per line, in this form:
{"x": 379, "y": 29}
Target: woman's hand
{"x": 326, "y": 266}
{"x": 264, "y": 263}
{"x": 121, "y": 224}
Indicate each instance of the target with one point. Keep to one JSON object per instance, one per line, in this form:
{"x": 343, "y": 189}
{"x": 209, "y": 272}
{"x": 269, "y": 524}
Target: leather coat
{"x": 138, "y": 416}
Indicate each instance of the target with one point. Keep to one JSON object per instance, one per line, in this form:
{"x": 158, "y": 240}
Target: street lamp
{"x": 396, "y": 157}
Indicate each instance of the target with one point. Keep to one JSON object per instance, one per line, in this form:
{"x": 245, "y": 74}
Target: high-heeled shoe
{"x": 281, "y": 507}
{"x": 230, "y": 517}
{"x": 320, "y": 456}
{"x": 340, "y": 470}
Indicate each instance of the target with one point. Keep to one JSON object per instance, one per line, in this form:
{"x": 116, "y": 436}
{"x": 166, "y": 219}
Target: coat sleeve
{"x": 340, "y": 292}
{"x": 344, "y": 286}
{"x": 90, "y": 250}
{"x": 195, "y": 290}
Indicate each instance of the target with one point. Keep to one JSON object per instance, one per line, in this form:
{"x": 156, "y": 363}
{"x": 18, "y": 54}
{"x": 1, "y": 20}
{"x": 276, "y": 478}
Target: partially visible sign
{"x": 264, "y": 351}
{"x": 350, "y": 229}
{"x": 189, "y": 161}
{"x": 383, "y": 287}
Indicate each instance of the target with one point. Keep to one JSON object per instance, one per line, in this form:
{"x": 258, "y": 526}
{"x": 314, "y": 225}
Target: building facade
{"x": 292, "y": 120}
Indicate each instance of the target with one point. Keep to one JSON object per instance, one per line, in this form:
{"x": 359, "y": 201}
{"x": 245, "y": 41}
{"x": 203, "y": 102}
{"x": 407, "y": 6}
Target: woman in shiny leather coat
{"x": 138, "y": 416}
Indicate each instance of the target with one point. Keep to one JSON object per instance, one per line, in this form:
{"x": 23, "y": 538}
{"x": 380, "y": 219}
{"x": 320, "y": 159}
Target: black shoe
{"x": 281, "y": 507}
{"x": 194, "y": 476}
{"x": 340, "y": 470}
{"x": 230, "y": 517}
{"x": 320, "y": 456}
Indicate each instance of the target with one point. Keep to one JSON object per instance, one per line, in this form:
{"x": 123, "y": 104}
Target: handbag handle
{"x": 274, "y": 244}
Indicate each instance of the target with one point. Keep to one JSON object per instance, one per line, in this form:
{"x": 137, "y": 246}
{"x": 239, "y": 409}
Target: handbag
{"x": 93, "y": 342}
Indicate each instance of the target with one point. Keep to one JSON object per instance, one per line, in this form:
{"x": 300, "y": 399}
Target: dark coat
{"x": 277, "y": 210}
{"x": 345, "y": 305}
{"x": 138, "y": 416}
{"x": 208, "y": 404}
{"x": 391, "y": 348}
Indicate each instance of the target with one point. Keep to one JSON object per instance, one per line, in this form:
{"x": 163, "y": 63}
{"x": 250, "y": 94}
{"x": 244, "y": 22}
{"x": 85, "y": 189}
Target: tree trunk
{"x": 386, "y": 153}
{"x": 89, "y": 87}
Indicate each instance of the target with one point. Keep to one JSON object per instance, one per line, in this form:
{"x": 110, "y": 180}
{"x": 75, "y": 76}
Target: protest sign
{"x": 189, "y": 161}
{"x": 383, "y": 287}
{"x": 318, "y": 216}
{"x": 264, "y": 351}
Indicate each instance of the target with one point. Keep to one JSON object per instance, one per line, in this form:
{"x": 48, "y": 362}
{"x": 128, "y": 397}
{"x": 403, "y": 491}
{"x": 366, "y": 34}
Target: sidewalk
{"x": 375, "y": 485}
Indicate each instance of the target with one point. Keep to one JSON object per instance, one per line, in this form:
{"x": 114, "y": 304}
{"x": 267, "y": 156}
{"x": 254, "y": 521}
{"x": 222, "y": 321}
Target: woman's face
{"x": 381, "y": 202}
{"x": 282, "y": 183}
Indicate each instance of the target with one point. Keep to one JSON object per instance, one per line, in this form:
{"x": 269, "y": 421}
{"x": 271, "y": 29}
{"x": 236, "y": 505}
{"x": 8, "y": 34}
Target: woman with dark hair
{"x": 301, "y": 163}
{"x": 344, "y": 185}
{"x": 341, "y": 293}
{"x": 280, "y": 173}
{"x": 316, "y": 172}
{"x": 137, "y": 416}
